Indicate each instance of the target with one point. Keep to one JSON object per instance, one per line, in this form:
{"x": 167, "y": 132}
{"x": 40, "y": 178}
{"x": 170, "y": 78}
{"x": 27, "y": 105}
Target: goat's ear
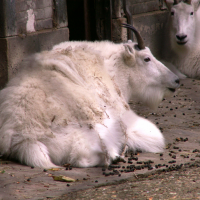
{"x": 129, "y": 51}
{"x": 196, "y": 4}
{"x": 169, "y": 3}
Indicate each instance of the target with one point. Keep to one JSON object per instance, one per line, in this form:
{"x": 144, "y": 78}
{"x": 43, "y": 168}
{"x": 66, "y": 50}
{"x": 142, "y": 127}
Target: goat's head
{"x": 183, "y": 21}
{"x": 148, "y": 79}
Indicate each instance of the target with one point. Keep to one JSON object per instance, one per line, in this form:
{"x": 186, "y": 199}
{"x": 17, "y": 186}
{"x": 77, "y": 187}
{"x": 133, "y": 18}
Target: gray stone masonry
{"x": 43, "y": 14}
{"x": 152, "y": 26}
{"x": 14, "y": 49}
{"x": 147, "y": 17}
{"x": 143, "y": 6}
{"x": 26, "y": 27}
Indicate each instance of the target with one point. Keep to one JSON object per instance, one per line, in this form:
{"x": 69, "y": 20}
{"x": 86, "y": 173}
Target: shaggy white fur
{"x": 70, "y": 105}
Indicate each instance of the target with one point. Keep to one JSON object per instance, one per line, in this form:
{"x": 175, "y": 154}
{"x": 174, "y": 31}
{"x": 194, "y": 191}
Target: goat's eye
{"x": 192, "y": 13}
{"x": 172, "y": 13}
{"x": 147, "y": 59}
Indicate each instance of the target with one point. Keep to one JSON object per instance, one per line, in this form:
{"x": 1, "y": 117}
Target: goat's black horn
{"x": 140, "y": 41}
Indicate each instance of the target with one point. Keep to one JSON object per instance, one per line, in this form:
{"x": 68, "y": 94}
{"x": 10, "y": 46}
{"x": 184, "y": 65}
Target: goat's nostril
{"x": 177, "y": 81}
{"x": 181, "y": 37}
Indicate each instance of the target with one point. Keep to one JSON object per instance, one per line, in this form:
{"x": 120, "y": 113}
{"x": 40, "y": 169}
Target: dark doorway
{"x": 81, "y": 20}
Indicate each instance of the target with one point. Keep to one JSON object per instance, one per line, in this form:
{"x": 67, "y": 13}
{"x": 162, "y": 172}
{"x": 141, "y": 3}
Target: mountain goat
{"x": 182, "y": 50}
{"x": 70, "y": 104}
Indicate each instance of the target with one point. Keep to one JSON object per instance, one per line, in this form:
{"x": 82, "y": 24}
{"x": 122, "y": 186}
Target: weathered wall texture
{"x": 148, "y": 17}
{"x": 33, "y": 16}
{"x": 143, "y": 6}
{"x": 26, "y": 27}
{"x": 152, "y": 26}
{"x": 29, "y": 26}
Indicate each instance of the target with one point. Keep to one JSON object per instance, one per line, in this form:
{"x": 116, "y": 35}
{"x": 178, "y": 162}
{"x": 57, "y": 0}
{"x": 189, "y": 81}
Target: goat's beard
{"x": 152, "y": 96}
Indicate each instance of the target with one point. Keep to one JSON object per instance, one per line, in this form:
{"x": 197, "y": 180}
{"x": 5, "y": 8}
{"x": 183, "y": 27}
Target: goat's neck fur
{"x": 112, "y": 53}
{"x": 117, "y": 72}
{"x": 117, "y": 68}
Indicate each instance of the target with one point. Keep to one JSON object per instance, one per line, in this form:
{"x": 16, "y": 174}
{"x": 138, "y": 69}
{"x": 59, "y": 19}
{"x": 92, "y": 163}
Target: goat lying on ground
{"x": 183, "y": 51}
{"x": 69, "y": 105}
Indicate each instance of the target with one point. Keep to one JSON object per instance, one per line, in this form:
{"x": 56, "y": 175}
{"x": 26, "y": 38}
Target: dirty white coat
{"x": 70, "y": 105}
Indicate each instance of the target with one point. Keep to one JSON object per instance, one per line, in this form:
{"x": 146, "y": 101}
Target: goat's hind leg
{"x": 142, "y": 134}
{"x": 32, "y": 153}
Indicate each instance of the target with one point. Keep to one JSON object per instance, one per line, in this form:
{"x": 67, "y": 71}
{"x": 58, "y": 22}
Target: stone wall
{"x": 149, "y": 17}
{"x": 143, "y": 6}
{"x": 34, "y": 15}
{"x": 26, "y": 27}
{"x": 29, "y": 26}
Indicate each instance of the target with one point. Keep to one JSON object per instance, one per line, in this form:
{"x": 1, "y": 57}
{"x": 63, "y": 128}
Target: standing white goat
{"x": 69, "y": 105}
{"x": 182, "y": 49}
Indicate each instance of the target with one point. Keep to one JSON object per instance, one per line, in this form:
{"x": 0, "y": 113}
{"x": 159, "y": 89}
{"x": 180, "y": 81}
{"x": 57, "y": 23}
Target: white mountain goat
{"x": 182, "y": 51}
{"x": 70, "y": 104}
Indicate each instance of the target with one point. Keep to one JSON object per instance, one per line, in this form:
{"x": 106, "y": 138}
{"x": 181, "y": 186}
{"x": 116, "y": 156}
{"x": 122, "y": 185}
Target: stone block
{"x": 48, "y": 11}
{"x": 43, "y": 3}
{"x": 21, "y": 6}
{"x": 14, "y": 49}
{"x": 119, "y": 33}
{"x": 43, "y": 13}
{"x": 39, "y": 14}
{"x": 143, "y": 7}
{"x": 21, "y": 16}
{"x": 44, "y": 24}
{"x": 152, "y": 26}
